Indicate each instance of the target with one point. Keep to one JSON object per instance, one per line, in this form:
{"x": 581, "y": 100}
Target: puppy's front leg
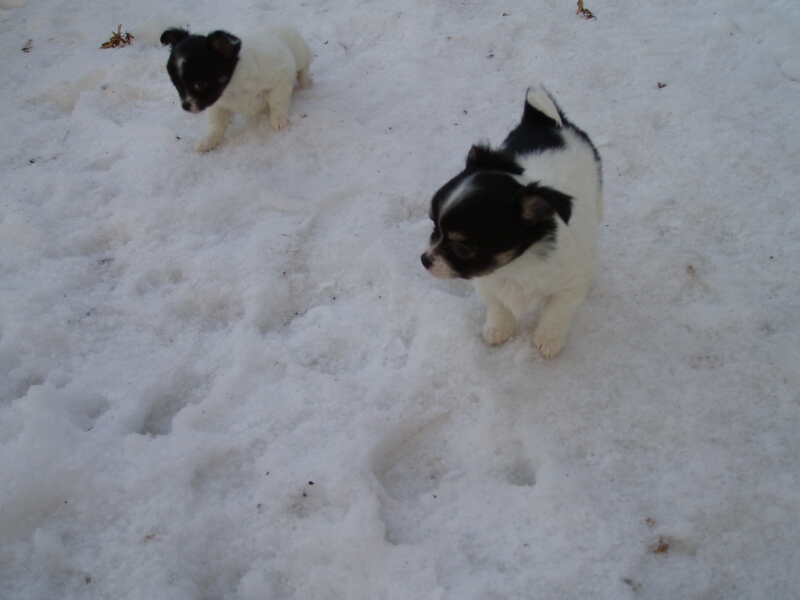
{"x": 557, "y": 314}
{"x": 500, "y": 322}
{"x": 218, "y": 121}
{"x": 278, "y": 100}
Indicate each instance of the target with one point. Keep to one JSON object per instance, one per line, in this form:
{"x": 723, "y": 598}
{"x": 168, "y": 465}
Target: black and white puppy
{"x": 521, "y": 222}
{"x": 227, "y": 75}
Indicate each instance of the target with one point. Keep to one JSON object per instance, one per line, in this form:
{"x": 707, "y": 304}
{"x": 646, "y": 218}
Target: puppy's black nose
{"x": 186, "y": 106}
{"x": 426, "y": 261}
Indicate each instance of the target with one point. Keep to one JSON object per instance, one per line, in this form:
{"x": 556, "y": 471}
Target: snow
{"x": 227, "y": 376}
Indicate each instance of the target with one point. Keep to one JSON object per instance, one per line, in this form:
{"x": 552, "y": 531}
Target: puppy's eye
{"x": 463, "y": 251}
{"x": 199, "y": 85}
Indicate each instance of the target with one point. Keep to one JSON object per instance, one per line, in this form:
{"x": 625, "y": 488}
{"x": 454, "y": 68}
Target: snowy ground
{"x": 188, "y": 341}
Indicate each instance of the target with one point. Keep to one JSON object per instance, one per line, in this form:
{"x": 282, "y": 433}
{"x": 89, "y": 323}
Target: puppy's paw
{"x": 279, "y": 122}
{"x": 495, "y": 334}
{"x": 548, "y": 344}
{"x": 207, "y": 143}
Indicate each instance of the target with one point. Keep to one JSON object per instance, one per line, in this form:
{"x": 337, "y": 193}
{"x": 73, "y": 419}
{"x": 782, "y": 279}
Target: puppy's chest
{"x": 248, "y": 103}
{"x": 518, "y": 296}
{"x": 523, "y": 283}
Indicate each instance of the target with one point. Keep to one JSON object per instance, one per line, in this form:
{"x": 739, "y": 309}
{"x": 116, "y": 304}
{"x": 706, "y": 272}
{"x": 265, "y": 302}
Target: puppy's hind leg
{"x": 557, "y": 314}
{"x": 278, "y": 99}
{"x": 500, "y": 322}
{"x": 218, "y": 121}
{"x": 304, "y": 79}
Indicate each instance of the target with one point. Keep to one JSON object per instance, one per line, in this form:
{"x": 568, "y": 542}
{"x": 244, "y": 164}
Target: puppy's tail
{"x": 541, "y": 109}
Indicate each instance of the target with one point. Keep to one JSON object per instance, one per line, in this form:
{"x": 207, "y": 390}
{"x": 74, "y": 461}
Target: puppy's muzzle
{"x": 437, "y": 266}
{"x": 192, "y": 107}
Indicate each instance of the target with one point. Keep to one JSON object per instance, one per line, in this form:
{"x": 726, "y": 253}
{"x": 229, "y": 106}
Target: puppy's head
{"x": 200, "y": 66}
{"x": 484, "y": 218}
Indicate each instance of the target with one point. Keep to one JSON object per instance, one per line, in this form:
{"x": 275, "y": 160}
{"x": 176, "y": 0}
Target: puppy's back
{"x": 290, "y": 37}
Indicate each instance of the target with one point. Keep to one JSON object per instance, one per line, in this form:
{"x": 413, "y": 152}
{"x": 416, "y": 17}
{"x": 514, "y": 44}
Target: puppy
{"x": 521, "y": 222}
{"x": 229, "y": 75}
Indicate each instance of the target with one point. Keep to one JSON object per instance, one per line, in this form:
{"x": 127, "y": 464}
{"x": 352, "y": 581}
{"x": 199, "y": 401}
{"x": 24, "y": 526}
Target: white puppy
{"x": 230, "y": 75}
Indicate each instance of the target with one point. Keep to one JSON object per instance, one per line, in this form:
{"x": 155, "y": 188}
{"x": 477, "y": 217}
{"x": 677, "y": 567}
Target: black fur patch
{"x": 560, "y": 203}
{"x": 200, "y": 66}
{"x": 491, "y": 220}
{"x": 536, "y": 133}
{"x": 224, "y": 43}
{"x": 172, "y": 36}
{"x": 483, "y": 158}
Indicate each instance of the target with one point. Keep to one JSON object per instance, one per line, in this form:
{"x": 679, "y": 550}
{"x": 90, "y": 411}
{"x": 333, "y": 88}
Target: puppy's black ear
{"x": 172, "y": 36}
{"x": 477, "y": 155}
{"x": 224, "y": 43}
{"x": 483, "y": 158}
{"x": 539, "y": 203}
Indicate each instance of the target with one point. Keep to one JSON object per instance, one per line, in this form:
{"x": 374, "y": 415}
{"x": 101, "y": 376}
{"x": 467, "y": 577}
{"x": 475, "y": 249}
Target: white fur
{"x": 440, "y": 268}
{"x": 561, "y": 280}
{"x": 462, "y": 191}
{"x": 272, "y": 60}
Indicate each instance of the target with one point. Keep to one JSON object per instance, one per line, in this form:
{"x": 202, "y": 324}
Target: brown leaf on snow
{"x": 661, "y": 547}
{"x": 587, "y": 14}
{"x": 118, "y": 39}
